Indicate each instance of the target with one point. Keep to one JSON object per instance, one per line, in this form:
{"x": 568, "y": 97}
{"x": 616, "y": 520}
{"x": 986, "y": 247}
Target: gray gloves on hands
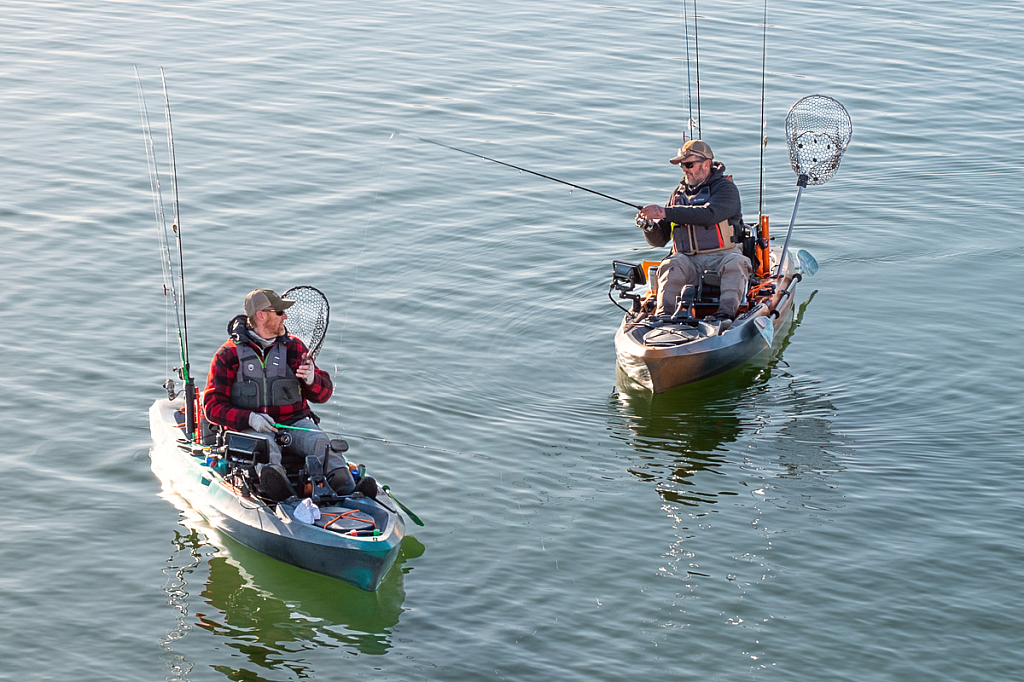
{"x": 261, "y": 423}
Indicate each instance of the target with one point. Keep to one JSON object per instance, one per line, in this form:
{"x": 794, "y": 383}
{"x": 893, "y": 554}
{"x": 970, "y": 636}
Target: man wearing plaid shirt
{"x": 263, "y": 376}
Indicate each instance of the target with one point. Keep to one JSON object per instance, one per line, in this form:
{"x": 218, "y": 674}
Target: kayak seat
{"x": 207, "y": 431}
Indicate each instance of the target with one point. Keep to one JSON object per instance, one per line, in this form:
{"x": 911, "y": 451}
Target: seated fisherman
{"x": 261, "y": 376}
{"x": 704, "y": 222}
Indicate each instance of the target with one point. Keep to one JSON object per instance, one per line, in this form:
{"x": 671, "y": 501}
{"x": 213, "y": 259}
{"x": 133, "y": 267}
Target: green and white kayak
{"x": 355, "y": 539}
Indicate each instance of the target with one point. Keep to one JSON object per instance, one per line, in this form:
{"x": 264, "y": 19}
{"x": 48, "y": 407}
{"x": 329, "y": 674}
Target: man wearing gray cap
{"x": 705, "y": 224}
{"x": 262, "y": 376}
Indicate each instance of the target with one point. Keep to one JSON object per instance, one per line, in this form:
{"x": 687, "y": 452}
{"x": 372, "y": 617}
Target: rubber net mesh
{"x": 308, "y": 318}
{"x": 818, "y": 130}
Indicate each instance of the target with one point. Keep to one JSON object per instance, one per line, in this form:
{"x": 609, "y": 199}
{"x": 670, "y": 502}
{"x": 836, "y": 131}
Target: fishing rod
{"x": 696, "y": 66}
{"x": 763, "y": 140}
{"x": 176, "y": 226}
{"x": 689, "y": 81}
{"x": 186, "y": 371}
{"x": 167, "y": 265}
{"x": 691, "y": 123}
{"x": 158, "y": 209}
{"x": 386, "y": 441}
{"x": 525, "y": 170}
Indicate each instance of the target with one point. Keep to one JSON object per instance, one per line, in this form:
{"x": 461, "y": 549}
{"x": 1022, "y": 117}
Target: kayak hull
{"x": 362, "y": 560}
{"x": 660, "y": 355}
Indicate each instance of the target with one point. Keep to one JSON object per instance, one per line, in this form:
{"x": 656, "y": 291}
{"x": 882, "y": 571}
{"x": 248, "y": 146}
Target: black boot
{"x": 367, "y": 486}
{"x": 341, "y": 481}
{"x": 274, "y": 484}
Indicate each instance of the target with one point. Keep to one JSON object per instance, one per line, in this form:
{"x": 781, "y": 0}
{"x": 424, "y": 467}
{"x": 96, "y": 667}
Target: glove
{"x": 261, "y": 423}
{"x": 310, "y": 374}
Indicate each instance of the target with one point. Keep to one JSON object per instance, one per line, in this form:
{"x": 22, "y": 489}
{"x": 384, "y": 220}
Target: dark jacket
{"x": 217, "y": 403}
{"x": 714, "y": 201}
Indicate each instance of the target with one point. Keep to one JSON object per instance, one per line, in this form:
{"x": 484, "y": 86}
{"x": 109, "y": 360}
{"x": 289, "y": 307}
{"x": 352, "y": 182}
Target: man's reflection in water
{"x": 758, "y": 436}
{"x": 697, "y": 428}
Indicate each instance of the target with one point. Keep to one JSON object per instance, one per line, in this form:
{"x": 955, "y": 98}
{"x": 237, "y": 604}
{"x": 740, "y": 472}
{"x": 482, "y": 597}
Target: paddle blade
{"x": 408, "y": 512}
{"x": 807, "y": 262}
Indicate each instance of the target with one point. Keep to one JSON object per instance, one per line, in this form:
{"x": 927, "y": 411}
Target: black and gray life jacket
{"x": 264, "y": 383}
{"x": 697, "y": 239}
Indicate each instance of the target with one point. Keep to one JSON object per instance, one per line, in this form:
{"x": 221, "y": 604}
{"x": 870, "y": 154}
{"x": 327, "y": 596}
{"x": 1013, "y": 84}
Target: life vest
{"x": 696, "y": 239}
{"x": 264, "y": 383}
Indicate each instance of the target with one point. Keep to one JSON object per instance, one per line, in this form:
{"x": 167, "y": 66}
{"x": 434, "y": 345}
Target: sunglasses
{"x": 271, "y": 310}
{"x": 690, "y": 164}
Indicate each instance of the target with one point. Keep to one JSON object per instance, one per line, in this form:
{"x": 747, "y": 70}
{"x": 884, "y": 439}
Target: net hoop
{"x": 818, "y": 131}
{"x": 308, "y": 317}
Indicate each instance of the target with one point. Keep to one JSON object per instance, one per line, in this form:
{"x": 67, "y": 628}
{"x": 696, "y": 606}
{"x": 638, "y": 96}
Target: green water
{"x": 846, "y": 509}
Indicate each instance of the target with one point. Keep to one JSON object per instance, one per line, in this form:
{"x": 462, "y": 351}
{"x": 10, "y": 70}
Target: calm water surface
{"x": 848, "y": 508}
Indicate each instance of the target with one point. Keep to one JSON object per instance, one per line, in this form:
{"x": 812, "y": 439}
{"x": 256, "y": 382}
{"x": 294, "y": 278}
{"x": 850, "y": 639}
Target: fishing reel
{"x": 169, "y": 387}
{"x": 645, "y": 224}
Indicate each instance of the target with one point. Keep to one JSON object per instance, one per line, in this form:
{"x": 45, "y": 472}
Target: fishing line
{"x": 524, "y": 170}
{"x": 386, "y": 441}
{"x": 366, "y": 239}
{"x": 186, "y": 370}
{"x": 689, "y": 85}
{"x": 696, "y": 66}
{"x": 166, "y": 264}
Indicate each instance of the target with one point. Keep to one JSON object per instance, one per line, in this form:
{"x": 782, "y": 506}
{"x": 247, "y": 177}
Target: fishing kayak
{"x": 660, "y": 353}
{"x": 355, "y": 539}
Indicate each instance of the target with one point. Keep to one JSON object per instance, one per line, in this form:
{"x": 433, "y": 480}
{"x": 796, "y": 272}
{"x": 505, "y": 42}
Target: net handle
{"x": 832, "y": 122}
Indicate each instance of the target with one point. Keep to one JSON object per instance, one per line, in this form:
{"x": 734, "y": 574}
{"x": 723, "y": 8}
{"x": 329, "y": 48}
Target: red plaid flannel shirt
{"x": 223, "y": 371}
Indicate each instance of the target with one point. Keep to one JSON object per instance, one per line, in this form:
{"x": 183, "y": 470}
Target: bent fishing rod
{"x": 524, "y": 170}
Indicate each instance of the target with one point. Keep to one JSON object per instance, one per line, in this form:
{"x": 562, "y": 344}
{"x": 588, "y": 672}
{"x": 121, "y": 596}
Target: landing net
{"x": 818, "y": 130}
{"x": 309, "y": 317}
